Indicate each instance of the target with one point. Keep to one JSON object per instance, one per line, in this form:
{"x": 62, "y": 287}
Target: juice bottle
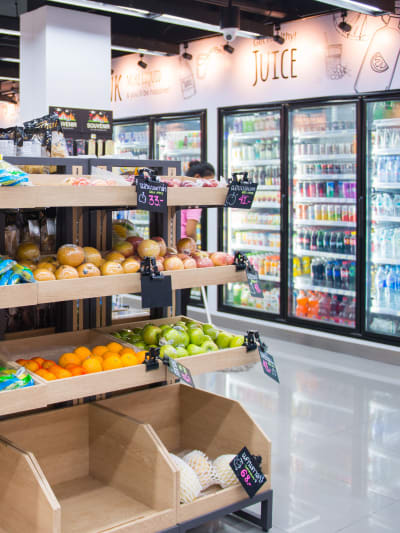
{"x": 302, "y": 304}
{"x": 313, "y": 306}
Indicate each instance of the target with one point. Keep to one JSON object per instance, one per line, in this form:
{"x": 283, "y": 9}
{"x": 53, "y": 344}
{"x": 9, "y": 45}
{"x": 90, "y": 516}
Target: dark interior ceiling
{"x": 256, "y": 16}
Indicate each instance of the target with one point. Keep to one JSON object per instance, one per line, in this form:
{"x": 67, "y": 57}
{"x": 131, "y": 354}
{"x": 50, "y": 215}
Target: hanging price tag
{"x": 151, "y": 195}
{"x": 240, "y": 195}
{"x": 254, "y": 282}
{"x": 156, "y": 288}
{"x": 268, "y": 363}
{"x": 247, "y": 469}
{"x": 180, "y": 371}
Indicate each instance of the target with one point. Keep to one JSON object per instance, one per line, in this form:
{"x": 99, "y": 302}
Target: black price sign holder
{"x": 152, "y": 359}
{"x": 156, "y": 288}
{"x": 253, "y": 342}
{"x": 248, "y": 471}
{"x": 241, "y": 193}
{"x": 151, "y": 193}
{"x": 242, "y": 263}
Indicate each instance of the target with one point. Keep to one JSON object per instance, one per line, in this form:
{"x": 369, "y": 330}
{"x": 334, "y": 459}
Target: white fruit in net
{"x": 190, "y": 485}
{"x": 224, "y": 473}
{"x": 203, "y": 467}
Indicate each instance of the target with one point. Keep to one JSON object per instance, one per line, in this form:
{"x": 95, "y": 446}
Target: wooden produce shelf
{"x": 84, "y": 469}
{"x": 190, "y": 419}
{"x": 19, "y": 295}
{"x": 203, "y": 277}
{"x": 197, "y": 364}
{"x": 18, "y": 400}
{"x": 60, "y": 390}
{"x": 50, "y": 191}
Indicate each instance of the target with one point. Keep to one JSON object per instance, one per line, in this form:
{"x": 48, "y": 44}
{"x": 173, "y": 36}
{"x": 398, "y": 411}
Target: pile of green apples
{"x": 180, "y": 339}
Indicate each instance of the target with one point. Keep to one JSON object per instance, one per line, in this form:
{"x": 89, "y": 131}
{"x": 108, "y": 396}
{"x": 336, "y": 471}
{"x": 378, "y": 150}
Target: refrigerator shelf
{"x": 255, "y": 163}
{"x": 326, "y": 157}
{"x": 269, "y": 188}
{"x": 325, "y": 223}
{"x": 333, "y": 200}
{"x": 132, "y": 145}
{"x": 254, "y": 247}
{"x": 264, "y": 134}
{"x": 386, "y": 122}
{"x": 386, "y": 151}
{"x": 267, "y": 277}
{"x": 387, "y": 311}
{"x": 182, "y": 151}
{"x": 265, "y": 205}
{"x": 307, "y": 285}
{"x": 329, "y": 177}
{"x": 384, "y": 218}
{"x": 385, "y": 261}
{"x": 328, "y": 255}
{"x": 324, "y": 134}
{"x": 262, "y": 227}
{"x": 384, "y": 186}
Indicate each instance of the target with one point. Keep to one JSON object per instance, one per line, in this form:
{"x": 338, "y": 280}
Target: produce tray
{"x": 186, "y": 419}
{"x": 18, "y": 295}
{"x": 50, "y": 191}
{"x": 84, "y": 469}
{"x": 52, "y": 346}
{"x": 18, "y": 400}
{"x": 197, "y": 364}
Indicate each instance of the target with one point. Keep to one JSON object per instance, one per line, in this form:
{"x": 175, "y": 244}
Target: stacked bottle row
{"x": 257, "y": 238}
{"x": 266, "y": 265}
{"x": 324, "y": 148}
{"x": 263, "y": 175}
{"x": 326, "y": 189}
{"x": 387, "y": 169}
{"x": 324, "y": 169}
{"x": 336, "y": 309}
{"x": 326, "y": 212}
{"x": 386, "y": 205}
{"x": 335, "y": 242}
{"x": 248, "y": 124}
{"x": 270, "y": 197}
{"x": 337, "y": 274}
{"x": 305, "y": 124}
{"x": 241, "y": 217}
{"x": 181, "y": 140}
{"x": 259, "y": 150}
{"x": 238, "y": 294}
{"x": 385, "y": 243}
{"x": 387, "y": 288}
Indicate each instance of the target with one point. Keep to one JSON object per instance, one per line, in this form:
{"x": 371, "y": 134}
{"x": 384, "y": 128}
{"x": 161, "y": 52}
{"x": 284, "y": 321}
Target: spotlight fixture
{"x": 228, "y": 48}
{"x": 276, "y": 37}
{"x": 141, "y": 63}
{"x": 344, "y": 26}
{"x": 186, "y": 54}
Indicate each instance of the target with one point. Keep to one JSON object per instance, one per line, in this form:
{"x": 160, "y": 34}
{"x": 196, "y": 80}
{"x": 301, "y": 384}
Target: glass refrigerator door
{"x": 178, "y": 139}
{"x": 252, "y": 144}
{"x": 383, "y": 218}
{"x": 322, "y": 214}
{"x": 133, "y": 138}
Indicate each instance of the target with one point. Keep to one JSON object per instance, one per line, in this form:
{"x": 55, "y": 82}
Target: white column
{"x": 65, "y": 60}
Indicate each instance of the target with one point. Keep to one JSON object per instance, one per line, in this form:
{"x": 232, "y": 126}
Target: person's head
{"x": 200, "y": 170}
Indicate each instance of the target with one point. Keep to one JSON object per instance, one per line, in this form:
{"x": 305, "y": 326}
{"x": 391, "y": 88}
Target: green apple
{"x": 142, "y": 345}
{"x": 165, "y": 327}
{"x": 197, "y": 336}
{"x": 133, "y": 339}
{"x": 191, "y": 325}
{"x": 138, "y": 331}
{"x": 236, "y": 341}
{"x": 116, "y": 334}
{"x": 193, "y": 349}
{"x": 151, "y": 334}
{"x": 169, "y": 350}
{"x": 181, "y": 351}
{"x": 172, "y": 336}
{"x": 181, "y": 323}
{"x": 125, "y": 333}
{"x": 223, "y": 339}
{"x": 183, "y": 337}
{"x": 209, "y": 346}
{"x": 211, "y": 331}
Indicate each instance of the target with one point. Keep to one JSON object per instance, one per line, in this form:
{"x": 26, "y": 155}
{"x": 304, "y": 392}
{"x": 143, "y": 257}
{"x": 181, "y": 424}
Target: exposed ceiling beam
{"x": 250, "y": 7}
{"x": 133, "y": 41}
{"x": 369, "y": 7}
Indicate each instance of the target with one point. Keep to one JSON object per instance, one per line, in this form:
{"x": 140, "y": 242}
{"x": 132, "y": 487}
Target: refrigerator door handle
{"x": 361, "y": 217}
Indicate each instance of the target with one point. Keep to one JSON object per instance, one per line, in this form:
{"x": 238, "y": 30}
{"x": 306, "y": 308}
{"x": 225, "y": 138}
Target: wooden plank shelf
{"x": 18, "y": 295}
{"x": 18, "y": 400}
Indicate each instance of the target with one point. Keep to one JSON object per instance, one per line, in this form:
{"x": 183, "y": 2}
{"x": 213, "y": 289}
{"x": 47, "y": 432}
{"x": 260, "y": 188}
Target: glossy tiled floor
{"x": 334, "y": 423}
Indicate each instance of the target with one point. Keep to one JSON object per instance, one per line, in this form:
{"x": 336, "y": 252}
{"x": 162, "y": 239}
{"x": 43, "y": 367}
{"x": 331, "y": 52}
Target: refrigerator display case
{"x": 323, "y": 214}
{"x": 382, "y": 314}
{"x": 252, "y": 144}
{"x": 134, "y": 138}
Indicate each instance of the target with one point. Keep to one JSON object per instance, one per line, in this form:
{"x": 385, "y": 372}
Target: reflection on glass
{"x": 132, "y": 138}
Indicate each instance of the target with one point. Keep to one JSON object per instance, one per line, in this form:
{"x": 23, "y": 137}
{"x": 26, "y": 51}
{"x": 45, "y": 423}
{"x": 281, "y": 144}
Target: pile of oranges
{"x": 84, "y": 361}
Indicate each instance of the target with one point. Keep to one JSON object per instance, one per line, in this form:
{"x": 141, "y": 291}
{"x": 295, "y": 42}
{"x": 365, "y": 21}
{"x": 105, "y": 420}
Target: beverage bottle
{"x": 352, "y": 276}
{"x": 391, "y": 287}
{"x": 320, "y": 240}
{"x": 327, "y": 240}
{"x": 332, "y": 244}
{"x": 340, "y": 243}
{"x": 329, "y": 274}
{"x": 380, "y": 287}
{"x": 324, "y": 212}
{"x": 337, "y": 281}
{"x": 388, "y": 241}
{"x": 342, "y": 311}
{"x": 314, "y": 237}
{"x": 344, "y": 275}
{"x": 324, "y": 307}
{"x": 397, "y": 307}
{"x": 306, "y": 265}
{"x": 314, "y": 271}
{"x": 300, "y": 239}
{"x": 353, "y": 242}
{"x": 313, "y": 306}
{"x": 351, "y": 312}
{"x": 301, "y": 304}
{"x": 396, "y": 242}
{"x": 307, "y": 240}
{"x": 346, "y": 248}
{"x": 380, "y": 60}
{"x": 387, "y": 205}
{"x": 334, "y": 308}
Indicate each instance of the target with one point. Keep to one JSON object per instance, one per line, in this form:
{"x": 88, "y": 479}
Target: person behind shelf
{"x": 191, "y": 217}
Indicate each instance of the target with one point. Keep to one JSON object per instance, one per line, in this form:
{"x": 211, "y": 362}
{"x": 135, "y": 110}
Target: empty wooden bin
{"x": 188, "y": 419}
{"x": 83, "y": 469}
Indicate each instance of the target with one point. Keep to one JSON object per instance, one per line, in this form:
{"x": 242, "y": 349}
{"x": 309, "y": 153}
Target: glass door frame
{"x": 146, "y": 119}
{"x": 237, "y": 110}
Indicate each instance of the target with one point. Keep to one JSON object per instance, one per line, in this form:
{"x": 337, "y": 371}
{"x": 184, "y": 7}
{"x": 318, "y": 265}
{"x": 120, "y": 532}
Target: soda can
{"x": 317, "y": 212}
{"x": 300, "y": 188}
{"x": 313, "y": 189}
{"x": 310, "y": 212}
{"x": 331, "y": 212}
{"x": 321, "y": 189}
{"x": 308, "y": 189}
{"x": 330, "y": 189}
{"x": 338, "y": 213}
{"x": 345, "y": 213}
{"x": 324, "y": 212}
{"x": 352, "y": 214}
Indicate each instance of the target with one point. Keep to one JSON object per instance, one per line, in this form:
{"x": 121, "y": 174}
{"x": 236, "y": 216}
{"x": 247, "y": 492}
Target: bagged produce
{"x": 11, "y": 379}
{"x": 11, "y": 175}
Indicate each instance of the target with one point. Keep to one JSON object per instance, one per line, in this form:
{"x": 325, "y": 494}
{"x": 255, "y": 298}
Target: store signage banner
{"x": 84, "y": 122}
{"x": 316, "y": 59}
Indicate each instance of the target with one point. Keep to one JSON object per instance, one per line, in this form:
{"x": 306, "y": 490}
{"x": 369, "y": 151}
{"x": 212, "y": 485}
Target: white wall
{"x": 65, "y": 60}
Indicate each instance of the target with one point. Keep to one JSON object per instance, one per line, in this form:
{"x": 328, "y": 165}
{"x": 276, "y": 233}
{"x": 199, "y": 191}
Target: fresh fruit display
{"x": 181, "y": 339}
{"x": 223, "y": 471}
{"x": 202, "y": 466}
{"x": 11, "y": 379}
{"x": 190, "y": 182}
{"x": 190, "y": 487}
{"x": 84, "y": 360}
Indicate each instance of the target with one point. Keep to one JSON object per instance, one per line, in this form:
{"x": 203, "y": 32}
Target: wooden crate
{"x": 84, "y": 469}
{"x": 53, "y": 346}
{"x": 187, "y": 419}
{"x": 18, "y": 295}
{"x": 197, "y": 364}
{"x": 15, "y": 401}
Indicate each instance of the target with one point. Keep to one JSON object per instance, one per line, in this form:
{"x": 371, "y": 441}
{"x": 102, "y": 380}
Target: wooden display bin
{"x": 188, "y": 419}
{"x": 83, "y": 469}
{"x": 17, "y": 400}
{"x": 197, "y": 364}
{"x": 18, "y": 295}
{"x": 53, "y": 346}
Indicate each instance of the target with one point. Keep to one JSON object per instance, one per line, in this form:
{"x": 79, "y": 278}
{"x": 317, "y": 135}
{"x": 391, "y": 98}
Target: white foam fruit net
{"x": 203, "y": 467}
{"x": 190, "y": 485}
{"x": 224, "y": 473}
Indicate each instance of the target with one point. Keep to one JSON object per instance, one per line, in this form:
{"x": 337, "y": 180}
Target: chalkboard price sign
{"x": 254, "y": 282}
{"x": 180, "y": 371}
{"x": 151, "y": 195}
{"x": 247, "y": 469}
{"x": 240, "y": 195}
{"x": 268, "y": 363}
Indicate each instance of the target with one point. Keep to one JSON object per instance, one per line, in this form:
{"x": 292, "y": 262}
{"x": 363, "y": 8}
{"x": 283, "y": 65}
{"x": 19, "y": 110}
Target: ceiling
{"x": 146, "y": 32}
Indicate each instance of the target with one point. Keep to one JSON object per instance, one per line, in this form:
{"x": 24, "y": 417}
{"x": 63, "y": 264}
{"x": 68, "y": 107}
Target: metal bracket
{"x": 149, "y": 267}
{"x": 151, "y": 359}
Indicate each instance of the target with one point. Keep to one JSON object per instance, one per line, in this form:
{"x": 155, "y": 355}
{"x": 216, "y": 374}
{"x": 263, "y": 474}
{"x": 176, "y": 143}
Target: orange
{"x": 78, "y": 371}
{"x": 71, "y": 366}
{"x": 129, "y": 359}
{"x": 38, "y": 360}
{"x": 48, "y": 364}
{"x": 112, "y": 363}
{"x": 99, "y": 358}
{"x": 67, "y": 358}
{"x": 32, "y": 366}
{"x": 21, "y": 361}
{"x": 140, "y": 356}
{"x": 108, "y": 354}
{"x": 99, "y": 350}
{"x": 127, "y": 350}
{"x": 91, "y": 365}
{"x": 45, "y": 374}
{"x": 82, "y": 352}
{"x": 60, "y": 373}
{"x": 114, "y": 347}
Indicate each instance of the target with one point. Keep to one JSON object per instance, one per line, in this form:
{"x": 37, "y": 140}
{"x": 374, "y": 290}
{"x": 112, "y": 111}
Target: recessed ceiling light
{"x": 361, "y": 7}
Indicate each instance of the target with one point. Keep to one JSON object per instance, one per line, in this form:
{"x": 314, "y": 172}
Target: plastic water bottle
{"x": 387, "y": 205}
{"x": 391, "y": 288}
{"x": 380, "y": 285}
{"x": 388, "y": 243}
{"x": 396, "y": 242}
